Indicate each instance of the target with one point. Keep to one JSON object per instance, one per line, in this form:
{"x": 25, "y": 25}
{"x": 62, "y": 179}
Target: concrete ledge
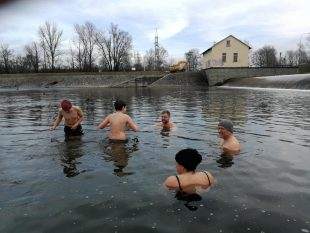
{"x": 219, "y": 75}
{"x": 61, "y": 80}
{"x": 182, "y": 79}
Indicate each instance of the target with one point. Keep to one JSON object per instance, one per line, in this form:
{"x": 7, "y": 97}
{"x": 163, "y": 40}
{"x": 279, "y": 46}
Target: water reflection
{"x": 70, "y": 151}
{"x": 119, "y": 153}
{"x": 272, "y": 125}
{"x": 191, "y": 200}
{"x": 165, "y": 132}
{"x": 225, "y": 161}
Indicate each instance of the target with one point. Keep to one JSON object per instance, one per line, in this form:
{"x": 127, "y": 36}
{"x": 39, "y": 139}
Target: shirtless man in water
{"x": 118, "y": 121}
{"x": 166, "y": 123}
{"x": 73, "y": 116}
{"x": 229, "y": 142}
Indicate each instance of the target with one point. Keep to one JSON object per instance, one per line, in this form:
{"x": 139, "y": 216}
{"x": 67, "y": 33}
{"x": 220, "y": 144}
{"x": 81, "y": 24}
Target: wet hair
{"x": 66, "y": 105}
{"x": 188, "y": 158}
{"x": 119, "y": 104}
{"x": 227, "y": 124}
{"x": 165, "y": 112}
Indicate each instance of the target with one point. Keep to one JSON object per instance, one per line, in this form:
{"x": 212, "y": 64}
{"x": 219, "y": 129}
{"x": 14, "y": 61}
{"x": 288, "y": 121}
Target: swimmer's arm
{"x": 132, "y": 125}
{"x": 81, "y": 117}
{"x": 104, "y": 123}
{"x": 57, "y": 121}
{"x": 171, "y": 183}
{"x": 221, "y": 143}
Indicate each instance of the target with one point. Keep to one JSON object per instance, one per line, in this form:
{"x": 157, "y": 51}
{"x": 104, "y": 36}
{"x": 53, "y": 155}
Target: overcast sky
{"x": 182, "y": 25}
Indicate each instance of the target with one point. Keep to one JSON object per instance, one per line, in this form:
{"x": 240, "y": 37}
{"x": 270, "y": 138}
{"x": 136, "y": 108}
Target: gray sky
{"x": 181, "y": 24}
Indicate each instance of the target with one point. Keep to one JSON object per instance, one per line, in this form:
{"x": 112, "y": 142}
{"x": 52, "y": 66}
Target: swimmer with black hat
{"x": 188, "y": 179}
{"x": 229, "y": 143}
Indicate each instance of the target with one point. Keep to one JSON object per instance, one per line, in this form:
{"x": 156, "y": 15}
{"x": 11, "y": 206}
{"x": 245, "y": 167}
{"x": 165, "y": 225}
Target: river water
{"x": 89, "y": 185}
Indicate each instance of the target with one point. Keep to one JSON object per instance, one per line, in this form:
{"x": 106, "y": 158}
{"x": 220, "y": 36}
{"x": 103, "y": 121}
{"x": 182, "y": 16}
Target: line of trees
{"x": 90, "y": 50}
{"x": 267, "y": 56}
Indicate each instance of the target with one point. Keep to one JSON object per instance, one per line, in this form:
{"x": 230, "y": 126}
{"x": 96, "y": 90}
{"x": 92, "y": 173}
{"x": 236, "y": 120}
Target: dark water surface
{"x": 89, "y": 185}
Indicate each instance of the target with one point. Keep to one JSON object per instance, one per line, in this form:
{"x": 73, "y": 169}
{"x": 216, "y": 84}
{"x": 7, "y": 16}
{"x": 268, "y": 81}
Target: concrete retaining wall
{"x": 141, "y": 81}
{"x": 76, "y": 79}
{"x": 217, "y": 76}
{"x": 182, "y": 79}
{"x": 211, "y": 77}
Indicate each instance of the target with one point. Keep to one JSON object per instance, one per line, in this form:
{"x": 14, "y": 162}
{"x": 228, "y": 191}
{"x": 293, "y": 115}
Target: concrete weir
{"x": 71, "y": 80}
{"x": 182, "y": 79}
{"x": 207, "y": 77}
{"x": 218, "y": 76}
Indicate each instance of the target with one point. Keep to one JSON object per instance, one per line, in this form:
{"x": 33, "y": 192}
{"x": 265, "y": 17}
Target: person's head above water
{"x": 66, "y": 105}
{"x": 187, "y": 160}
{"x": 225, "y": 128}
{"x": 165, "y": 117}
{"x": 119, "y": 105}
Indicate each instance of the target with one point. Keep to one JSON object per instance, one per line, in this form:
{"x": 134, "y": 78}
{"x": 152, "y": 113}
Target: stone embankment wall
{"x": 141, "y": 81}
{"x": 46, "y": 80}
{"x": 218, "y": 76}
{"x": 207, "y": 77}
{"x": 189, "y": 78}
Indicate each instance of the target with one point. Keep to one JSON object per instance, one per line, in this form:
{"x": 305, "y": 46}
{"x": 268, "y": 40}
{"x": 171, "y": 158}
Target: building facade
{"x": 229, "y": 52}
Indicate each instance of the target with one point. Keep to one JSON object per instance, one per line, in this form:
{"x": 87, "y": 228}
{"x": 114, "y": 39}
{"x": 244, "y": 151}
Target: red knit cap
{"x": 65, "y": 105}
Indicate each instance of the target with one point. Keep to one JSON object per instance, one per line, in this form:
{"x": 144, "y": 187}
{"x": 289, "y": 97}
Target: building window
{"x": 223, "y": 57}
{"x": 235, "y": 57}
{"x": 227, "y": 43}
{"x": 209, "y": 63}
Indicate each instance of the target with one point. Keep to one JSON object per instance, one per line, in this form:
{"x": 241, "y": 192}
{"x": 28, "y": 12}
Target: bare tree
{"x": 78, "y": 55}
{"x": 137, "y": 62}
{"x": 86, "y": 44}
{"x": 265, "y": 57}
{"x": 114, "y": 46}
{"x": 291, "y": 58}
{"x": 161, "y": 61}
{"x": 193, "y": 59}
{"x": 32, "y": 56}
{"x": 149, "y": 59}
{"x": 6, "y": 56}
{"x": 50, "y": 39}
{"x": 301, "y": 54}
{"x": 20, "y": 64}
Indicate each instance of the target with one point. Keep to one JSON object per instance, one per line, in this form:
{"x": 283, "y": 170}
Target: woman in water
{"x": 188, "y": 179}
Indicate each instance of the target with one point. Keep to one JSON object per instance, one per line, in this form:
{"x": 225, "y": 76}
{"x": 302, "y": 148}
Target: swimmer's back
{"x": 118, "y": 122}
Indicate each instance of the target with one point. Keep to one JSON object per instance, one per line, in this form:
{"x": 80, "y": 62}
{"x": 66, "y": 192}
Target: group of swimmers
{"x": 188, "y": 179}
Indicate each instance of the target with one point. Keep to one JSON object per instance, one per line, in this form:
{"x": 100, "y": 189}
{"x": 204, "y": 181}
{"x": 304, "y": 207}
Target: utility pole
{"x": 156, "y": 51}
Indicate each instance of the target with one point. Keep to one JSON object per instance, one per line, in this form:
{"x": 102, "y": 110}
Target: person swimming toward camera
{"x": 118, "y": 121}
{"x": 73, "y": 117}
{"x": 166, "y": 124}
{"x": 229, "y": 143}
{"x": 188, "y": 180}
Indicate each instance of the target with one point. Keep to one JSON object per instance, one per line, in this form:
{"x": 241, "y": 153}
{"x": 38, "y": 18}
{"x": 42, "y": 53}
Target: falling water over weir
{"x": 296, "y": 81}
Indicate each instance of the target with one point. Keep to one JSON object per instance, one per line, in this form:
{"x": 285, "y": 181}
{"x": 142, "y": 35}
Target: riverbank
{"x": 66, "y": 80}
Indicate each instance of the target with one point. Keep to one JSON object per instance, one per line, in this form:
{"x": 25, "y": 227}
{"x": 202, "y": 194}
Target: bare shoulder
{"x": 77, "y": 108}
{"x": 60, "y": 111}
{"x": 127, "y": 117}
{"x": 171, "y": 182}
{"x": 207, "y": 175}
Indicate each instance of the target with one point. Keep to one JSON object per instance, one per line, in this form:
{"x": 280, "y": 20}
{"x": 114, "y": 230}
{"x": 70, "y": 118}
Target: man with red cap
{"x": 73, "y": 116}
